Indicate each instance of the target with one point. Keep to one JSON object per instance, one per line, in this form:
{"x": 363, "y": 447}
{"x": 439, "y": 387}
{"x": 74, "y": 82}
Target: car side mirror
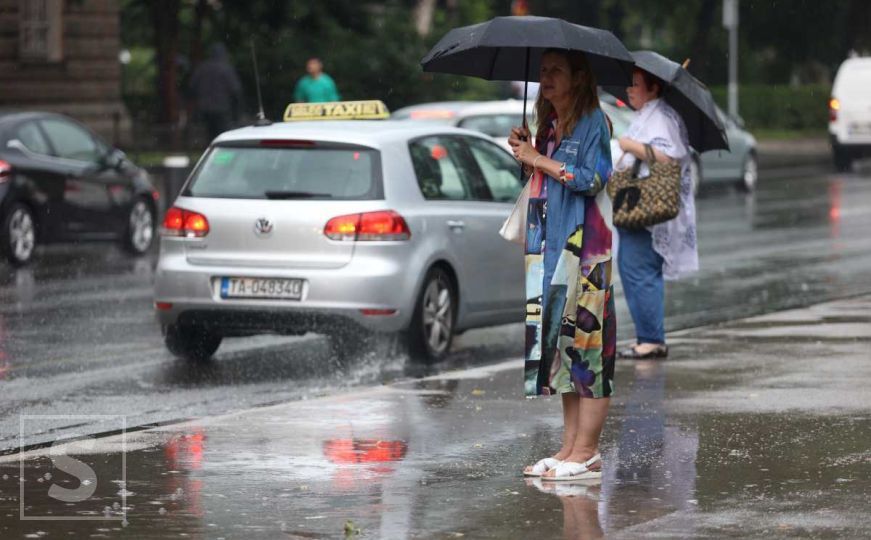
{"x": 738, "y": 121}
{"x": 113, "y": 159}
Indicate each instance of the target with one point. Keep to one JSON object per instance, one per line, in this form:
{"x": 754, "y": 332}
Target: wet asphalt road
{"x": 758, "y": 428}
{"x": 77, "y": 333}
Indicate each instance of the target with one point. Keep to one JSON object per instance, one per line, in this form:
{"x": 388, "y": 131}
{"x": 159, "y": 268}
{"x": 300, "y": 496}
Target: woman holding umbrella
{"x": 570, "y": 328}
{"x": 666, "y": 250}
{"x": 642, "y": 256}
{"x": 675, "y": 111}
{"x": 570, "y": 324}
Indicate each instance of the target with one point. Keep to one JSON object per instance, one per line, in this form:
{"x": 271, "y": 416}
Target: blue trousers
{"x": 641, "y": 275}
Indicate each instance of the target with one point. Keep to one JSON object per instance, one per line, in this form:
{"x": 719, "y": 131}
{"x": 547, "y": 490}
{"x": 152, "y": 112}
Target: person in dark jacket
{"x": 216, "y": 91}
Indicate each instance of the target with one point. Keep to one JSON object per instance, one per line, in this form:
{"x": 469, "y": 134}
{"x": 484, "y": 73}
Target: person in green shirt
{"x": 317, "y": 86}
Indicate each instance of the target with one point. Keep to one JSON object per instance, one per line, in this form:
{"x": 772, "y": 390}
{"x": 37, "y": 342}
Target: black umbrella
{"x": 510, "y": 49}
{"x": 689, "y": 96}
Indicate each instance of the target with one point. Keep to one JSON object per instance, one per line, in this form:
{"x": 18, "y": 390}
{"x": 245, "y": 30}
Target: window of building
{"x": 41, "y": 30}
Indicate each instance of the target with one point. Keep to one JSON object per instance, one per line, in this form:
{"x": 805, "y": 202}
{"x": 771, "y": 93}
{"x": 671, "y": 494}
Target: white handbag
{"x": 514, "y": 228}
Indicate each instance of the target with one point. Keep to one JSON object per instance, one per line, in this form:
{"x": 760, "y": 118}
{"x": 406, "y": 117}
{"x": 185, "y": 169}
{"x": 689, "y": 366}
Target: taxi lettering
{"x": 338, "y": 110}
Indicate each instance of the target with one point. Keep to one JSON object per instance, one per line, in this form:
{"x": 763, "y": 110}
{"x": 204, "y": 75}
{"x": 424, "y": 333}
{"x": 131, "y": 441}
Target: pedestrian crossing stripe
{"x": 337, "y": 110}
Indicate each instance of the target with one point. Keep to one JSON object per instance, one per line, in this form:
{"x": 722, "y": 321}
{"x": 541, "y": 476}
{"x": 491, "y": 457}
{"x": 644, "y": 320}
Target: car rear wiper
{"x": 296, "y": 195}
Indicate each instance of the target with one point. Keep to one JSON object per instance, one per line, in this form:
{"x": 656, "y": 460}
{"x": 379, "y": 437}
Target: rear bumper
{"x": 331, "y": 296}
{"x": 856, "y": 149}
{"x": 838, "y": 135}
{"x": 251, "y": 322}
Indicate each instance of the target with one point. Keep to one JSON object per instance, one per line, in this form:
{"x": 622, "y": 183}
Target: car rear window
{"x": 254, "y": 172}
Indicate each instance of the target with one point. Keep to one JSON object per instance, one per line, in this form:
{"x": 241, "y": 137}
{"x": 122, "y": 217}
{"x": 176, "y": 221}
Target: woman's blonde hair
{"x": 583, "y": 89}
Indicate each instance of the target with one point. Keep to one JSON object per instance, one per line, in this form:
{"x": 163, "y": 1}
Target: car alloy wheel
{"x": 437, "y": 314}
{"x": 140, "y": 227}
{"x": 750, "y": 173}
{"x": 20, "y": 235}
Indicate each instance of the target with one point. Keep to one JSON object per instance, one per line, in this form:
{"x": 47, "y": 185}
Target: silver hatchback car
{"x": 345, "y": 228}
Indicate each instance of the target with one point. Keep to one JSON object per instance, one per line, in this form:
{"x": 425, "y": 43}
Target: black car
{"x": 60, "y": 182}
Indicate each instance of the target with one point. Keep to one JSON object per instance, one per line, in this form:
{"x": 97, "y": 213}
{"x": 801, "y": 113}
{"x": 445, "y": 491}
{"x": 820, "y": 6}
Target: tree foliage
{"x": 372, "y": 49}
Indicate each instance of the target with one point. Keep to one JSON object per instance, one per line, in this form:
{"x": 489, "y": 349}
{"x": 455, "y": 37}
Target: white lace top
{"x": 659, "y": 125}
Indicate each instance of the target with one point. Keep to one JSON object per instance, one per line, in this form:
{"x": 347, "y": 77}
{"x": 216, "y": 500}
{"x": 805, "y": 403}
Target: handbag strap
{"x": 636, "y": 168}
{"x": 648, "y": 150}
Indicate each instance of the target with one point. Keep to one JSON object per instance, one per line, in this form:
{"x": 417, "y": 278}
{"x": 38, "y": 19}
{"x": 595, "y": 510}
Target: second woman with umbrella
{"x": 674, "y": 112}
{"x": 571, "y": 329}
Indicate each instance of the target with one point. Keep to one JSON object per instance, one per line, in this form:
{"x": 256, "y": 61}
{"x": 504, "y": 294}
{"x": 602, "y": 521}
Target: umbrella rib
{"x": 562, "y": 30}
{"x": 483, "y": 39}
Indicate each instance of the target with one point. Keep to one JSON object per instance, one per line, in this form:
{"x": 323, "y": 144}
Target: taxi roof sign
{"x": 337, "y": 110}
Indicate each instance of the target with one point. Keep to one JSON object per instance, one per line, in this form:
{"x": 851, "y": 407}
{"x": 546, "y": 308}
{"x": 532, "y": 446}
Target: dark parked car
{"x": 60, "y": 182}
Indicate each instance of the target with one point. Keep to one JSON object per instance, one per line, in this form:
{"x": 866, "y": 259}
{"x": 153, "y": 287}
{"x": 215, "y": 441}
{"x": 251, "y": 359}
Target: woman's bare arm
{"x": 637, "y": 149}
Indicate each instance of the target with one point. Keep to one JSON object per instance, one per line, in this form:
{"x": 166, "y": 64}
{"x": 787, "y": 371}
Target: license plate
{"x": 243, "y": 287}
{"x": 860, "y": 129}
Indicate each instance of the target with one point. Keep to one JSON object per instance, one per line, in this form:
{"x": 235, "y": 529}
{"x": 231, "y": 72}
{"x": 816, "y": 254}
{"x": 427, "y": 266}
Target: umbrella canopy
{"x": 510, "y": 49}
{"x": 689, "y": 97}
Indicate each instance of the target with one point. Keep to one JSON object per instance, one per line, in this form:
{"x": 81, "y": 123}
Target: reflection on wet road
{"x": 77, "y": 332}
{"x": 760, "y": 441}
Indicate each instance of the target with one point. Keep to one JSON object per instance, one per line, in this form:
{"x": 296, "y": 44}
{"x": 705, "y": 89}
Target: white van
{"x": 850, "y": 112}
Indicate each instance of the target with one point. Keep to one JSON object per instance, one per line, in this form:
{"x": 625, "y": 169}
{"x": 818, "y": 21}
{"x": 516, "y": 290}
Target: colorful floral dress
{"x": 570, "y": 321}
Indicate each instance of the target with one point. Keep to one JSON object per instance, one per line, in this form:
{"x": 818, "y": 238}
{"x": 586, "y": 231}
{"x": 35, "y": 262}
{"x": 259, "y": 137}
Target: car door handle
{"x": 456, "y": 224}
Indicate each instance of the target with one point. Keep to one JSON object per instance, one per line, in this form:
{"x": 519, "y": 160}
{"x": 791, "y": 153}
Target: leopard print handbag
{"x": 642, "y": 202}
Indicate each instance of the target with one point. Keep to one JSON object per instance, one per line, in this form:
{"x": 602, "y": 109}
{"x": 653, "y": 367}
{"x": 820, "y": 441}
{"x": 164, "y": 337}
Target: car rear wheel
{"x": 140, "y": 228}
{"x": 192, "y": 343}
{"x": 750, "y": 173}
{"x": 843, "y": 160}
{"x": 18, "y": 235}
{"x": 432, "y": 327}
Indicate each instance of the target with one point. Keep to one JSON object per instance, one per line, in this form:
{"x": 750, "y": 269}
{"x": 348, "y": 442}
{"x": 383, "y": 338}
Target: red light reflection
{"x": 374, "y": 453}
{"x": 835, "y": 189}
{"x": 185, "y": 451}
{"x": 352, "y": 451}
{"x": 438, "y": 152}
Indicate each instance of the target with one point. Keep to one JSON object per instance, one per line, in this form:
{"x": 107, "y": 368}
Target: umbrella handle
{"x": 525, "y": 95}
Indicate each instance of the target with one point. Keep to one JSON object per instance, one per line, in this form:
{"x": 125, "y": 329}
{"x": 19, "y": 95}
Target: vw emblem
{"x": 263, "y": 227}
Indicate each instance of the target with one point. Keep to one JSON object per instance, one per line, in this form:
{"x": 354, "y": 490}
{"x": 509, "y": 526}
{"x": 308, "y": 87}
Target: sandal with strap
{"x": 661, "y": 351}
{"x": 573, "y": 471}
{"x": 541, "y": 467}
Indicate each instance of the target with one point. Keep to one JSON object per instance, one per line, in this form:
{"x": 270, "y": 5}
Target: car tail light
{"x": 5, "y": 171}
{"x": 834, "y": 107}
{"x": 368, "y": 226}
{"x": 181, "y": 222}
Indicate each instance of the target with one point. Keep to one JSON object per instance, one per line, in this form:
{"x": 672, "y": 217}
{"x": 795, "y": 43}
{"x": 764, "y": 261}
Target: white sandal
{"x": 565, "y": 489}
{"x": 571, "y": 470}
{"x": 542, "y": 466}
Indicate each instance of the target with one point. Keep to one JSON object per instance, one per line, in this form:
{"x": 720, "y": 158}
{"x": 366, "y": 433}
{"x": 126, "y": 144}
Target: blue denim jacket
{"x": 587, "y": 155}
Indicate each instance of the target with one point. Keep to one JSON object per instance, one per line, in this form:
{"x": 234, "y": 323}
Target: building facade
{"x": 63, "y": 56}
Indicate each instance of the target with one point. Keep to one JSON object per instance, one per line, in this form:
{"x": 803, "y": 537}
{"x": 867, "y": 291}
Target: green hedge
{"x": 780, "y": 107}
